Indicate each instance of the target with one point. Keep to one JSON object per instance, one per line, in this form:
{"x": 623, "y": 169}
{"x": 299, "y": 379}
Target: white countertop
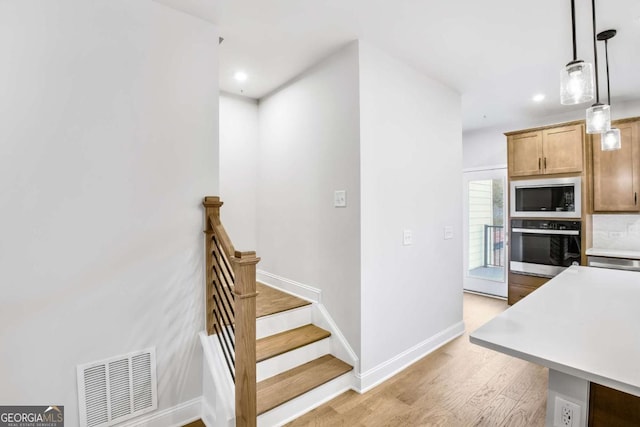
{"x": 584, "y": 322}
{"x": 614, "y": 253}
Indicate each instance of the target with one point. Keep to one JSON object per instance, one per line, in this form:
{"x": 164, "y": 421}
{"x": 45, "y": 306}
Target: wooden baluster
{"x": 244, "y": 267}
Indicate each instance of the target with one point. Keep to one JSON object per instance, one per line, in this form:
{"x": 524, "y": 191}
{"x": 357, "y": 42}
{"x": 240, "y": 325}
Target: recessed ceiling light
{"x": 538, "y": 97}
{"x": 240, "y": 76}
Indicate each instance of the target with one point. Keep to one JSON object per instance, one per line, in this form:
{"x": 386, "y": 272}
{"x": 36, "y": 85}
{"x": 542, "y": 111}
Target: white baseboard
{"x": 287, "y": 285}
{"x": 209, "y": 417}
{"x": 176, "y": 416}
{"x": 391, "y": 367}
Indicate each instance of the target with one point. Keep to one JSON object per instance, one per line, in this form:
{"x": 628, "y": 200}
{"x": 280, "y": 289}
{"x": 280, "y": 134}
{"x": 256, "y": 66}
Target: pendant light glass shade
{"x": 576, "y": 83}
{"x": 611, "y": 140}
{"x": 598, "y": 118}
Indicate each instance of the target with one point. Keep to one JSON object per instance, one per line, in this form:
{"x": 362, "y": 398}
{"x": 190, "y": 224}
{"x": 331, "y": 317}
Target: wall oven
{"x": 546, "y": 198}
{"x": 543, "y": 247}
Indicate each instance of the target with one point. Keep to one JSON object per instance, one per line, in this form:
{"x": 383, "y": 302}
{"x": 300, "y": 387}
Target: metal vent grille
{"x": 119, "y": 388}
{"x": 142, "y": 382}
{"x": 114, "y": 390}
{"x": 95, "y": 385}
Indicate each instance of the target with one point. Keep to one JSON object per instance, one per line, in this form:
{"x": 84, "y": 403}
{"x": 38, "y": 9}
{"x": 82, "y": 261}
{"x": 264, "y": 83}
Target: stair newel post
{"x": 244, "y": 267}
{"x": 211, "y": 216}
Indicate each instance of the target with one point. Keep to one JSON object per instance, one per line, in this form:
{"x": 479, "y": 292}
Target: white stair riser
{"x": 289, "y": 360}
{"x": 280, "y": 322}
{"x": 294, "y": 408}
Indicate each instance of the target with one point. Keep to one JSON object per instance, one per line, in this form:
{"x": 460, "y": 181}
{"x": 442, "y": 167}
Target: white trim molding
{"x": 290, "y": 286}
{"x": 176, "y": 416}
{"x": 339, "y": 345}
{"x": 382, "y": 372}
{"x": 217, "y": 386}
{"x": 484, "y": 168}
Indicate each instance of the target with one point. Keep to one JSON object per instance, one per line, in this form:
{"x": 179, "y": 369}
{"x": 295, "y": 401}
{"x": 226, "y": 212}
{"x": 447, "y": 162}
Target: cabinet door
{"x": 525, "y": 154}
{"x": 616, "y": 174}
{"x": 562, "y": 149}
{"x": 520, "y": 286}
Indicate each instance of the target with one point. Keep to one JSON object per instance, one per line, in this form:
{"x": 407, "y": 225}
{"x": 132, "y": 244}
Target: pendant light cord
{"x": 606, "y": 56}
{"x": 595, "y": 49}
{"x": 573, "y": 26}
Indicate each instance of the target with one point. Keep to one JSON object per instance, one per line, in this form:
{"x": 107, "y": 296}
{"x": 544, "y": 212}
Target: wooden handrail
{"x": 231, "y": 309}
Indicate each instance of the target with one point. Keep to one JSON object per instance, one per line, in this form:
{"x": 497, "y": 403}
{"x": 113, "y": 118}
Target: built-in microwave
{"x": 546, "y": 198}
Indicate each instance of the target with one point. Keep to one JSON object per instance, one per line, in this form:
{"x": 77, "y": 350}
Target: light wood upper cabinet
{"x": 547, "y": 151}
{"x": 616, "y": 174}
{"x": 525, "y": 154}
{"x": 562, "y": 149}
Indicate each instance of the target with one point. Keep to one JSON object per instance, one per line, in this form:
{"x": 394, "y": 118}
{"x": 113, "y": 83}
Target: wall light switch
{"x": 448, "y": 232}
{"x": 340, "y": 199}
{"x": 407, "y": 238}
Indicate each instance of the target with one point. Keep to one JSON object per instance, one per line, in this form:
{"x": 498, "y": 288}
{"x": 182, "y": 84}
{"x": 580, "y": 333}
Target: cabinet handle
{"x": 538, "y": 163}
{"x": 635, "y": 198}
{"x": 545, "y": 163}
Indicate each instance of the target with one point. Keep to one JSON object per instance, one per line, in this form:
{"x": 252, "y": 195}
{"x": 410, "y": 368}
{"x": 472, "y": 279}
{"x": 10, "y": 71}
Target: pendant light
{"x": 576, "y": 78}
{"x": 610, "y": 140}
{"x": 599, "y": 115}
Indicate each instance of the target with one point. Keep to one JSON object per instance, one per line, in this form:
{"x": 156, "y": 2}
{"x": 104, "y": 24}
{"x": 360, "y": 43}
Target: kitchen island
{"x": 584, "y": 325}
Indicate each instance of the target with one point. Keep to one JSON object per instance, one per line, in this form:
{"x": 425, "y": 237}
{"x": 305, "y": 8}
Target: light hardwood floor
{"x": 459, "y": 384}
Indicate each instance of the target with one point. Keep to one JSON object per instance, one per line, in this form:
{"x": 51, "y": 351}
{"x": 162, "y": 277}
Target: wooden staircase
{"x": 278, "y": 363}
{"x": 282, "y": 385}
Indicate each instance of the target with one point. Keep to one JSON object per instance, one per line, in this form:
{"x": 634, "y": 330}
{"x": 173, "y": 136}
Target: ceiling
{"x": 496, "y": 53}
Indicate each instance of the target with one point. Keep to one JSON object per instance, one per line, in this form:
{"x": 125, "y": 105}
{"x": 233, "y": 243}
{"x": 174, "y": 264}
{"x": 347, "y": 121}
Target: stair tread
{"x": 271, "y": 301}
{"x": 288, "y": 385}
{"x": 274, "y": 345}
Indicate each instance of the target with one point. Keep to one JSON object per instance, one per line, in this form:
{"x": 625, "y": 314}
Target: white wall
{"x": 239, "y": 169}
{"x": 488, "y": 146}
{"x": 411, "y": 168}
{"x": 108, "y": 144}
{"x": 484, "y": 148}
{"x": 309, "y": 147}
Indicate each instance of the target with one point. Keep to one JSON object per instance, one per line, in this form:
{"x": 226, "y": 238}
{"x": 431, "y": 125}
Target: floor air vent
{"x": 114, "y": 390}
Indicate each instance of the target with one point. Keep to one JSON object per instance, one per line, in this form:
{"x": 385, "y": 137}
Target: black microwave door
{"x": 533, "y": 199}
{"x": 544, "y": 199}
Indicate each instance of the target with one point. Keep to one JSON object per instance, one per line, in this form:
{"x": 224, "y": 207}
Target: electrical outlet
{"x": 617, "y": 234}
{"x": 566, "y": 414}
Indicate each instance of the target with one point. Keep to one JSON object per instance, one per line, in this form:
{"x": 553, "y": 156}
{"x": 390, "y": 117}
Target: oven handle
{"x": 534, "y": 231}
